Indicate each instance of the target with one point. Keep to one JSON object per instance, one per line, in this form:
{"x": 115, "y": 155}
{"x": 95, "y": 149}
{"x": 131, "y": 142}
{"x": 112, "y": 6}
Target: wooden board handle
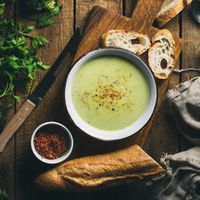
{"x": 15, "y": 123}
{"x": 145, "y": 13}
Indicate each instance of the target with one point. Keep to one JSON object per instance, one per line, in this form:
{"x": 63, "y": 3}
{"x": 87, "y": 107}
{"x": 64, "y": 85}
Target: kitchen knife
{"x": 64, "y": 60}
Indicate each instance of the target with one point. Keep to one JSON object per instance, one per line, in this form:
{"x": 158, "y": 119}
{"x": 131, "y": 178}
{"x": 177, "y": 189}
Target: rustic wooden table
{"x": 18, "y": 167}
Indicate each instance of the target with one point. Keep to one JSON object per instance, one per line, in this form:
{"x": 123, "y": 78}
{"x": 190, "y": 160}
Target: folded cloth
{"x": 182, "y": 180}
{"x": 185, "y": 103}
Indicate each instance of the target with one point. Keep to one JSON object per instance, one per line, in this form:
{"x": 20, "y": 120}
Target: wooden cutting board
{"x": 100, "y": 21}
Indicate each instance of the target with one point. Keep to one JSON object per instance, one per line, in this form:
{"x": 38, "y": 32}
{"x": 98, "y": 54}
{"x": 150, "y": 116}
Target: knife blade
{"x": 64, "y": 60}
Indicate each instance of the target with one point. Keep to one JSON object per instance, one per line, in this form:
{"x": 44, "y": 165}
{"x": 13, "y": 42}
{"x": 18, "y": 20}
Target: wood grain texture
{"x": 101, "y": 20}
{"x": 7, "y": 158}
{"x": 129, "y": 6}
{"x": 132, "y": 189}
{"x": 27, "y": 167}
{"x": 83, "y": 8}
{"x": 16, "y": 122}
{"x": 191, "y": 49}
{"x": 51, "y": 106}
{"x": 7, "y": 166}
{"x": 84, "y": 144}
{"x": 164, "y": 131}
{"x": 144, "y": 14}
{"x": 191, "y": 52}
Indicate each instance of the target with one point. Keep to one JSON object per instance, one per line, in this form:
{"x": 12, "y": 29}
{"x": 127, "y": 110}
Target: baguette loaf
{"x": 129, "y": 40}
{"x": 99, "y": 171}
{"x": 170, "y": 9}
{"x": 161, "y": 55}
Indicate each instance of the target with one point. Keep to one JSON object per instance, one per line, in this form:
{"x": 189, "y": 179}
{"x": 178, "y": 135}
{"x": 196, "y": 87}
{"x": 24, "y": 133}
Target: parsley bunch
{"x": 18, "y": 61}
{"x": 45, "y": 10}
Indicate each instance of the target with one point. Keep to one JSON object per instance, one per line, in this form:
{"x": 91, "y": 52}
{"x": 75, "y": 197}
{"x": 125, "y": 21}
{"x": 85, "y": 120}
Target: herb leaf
{"x": 27, "y": 28}
{"x": 18, "y": 47}
{"x": 43, "y": 11}
{"x": 18, "y": 61}
{"x": 37, "y": 42}
{"x": 46, "y": 19}
{"x": 2, "y": 5}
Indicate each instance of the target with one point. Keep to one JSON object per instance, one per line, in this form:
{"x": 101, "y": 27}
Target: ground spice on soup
{"x": 51, "y": 145}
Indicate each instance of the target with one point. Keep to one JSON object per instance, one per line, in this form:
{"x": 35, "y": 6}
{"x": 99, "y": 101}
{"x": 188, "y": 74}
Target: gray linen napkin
{"x": 182, "y": 180}
{"x": 184, "y": 101}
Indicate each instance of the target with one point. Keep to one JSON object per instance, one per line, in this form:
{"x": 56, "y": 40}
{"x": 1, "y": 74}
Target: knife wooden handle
{"x": 15, "y": 123}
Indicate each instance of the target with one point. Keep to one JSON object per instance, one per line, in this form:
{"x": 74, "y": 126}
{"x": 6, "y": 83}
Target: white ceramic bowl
{"x": 60, "y": 159}
{"x": 135, "y": 126}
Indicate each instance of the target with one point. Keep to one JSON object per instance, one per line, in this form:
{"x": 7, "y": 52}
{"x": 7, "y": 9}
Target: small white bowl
{"x": 135, "y": 126}
{"x": 63, "y": 157}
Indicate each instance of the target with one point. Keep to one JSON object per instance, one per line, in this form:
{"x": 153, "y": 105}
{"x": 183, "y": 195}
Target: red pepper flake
{"x": 51, "y": 143}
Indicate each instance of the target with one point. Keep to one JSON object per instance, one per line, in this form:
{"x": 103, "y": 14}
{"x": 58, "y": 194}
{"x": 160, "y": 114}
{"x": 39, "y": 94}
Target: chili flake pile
{"x": 51, "y": 145}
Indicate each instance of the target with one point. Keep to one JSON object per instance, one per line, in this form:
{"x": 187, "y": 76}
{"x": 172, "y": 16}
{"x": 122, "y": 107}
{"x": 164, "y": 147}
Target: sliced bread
{"x": 161, "y": 54}
{"x": 170, "y": 9}
{"x": 129, "y": 40}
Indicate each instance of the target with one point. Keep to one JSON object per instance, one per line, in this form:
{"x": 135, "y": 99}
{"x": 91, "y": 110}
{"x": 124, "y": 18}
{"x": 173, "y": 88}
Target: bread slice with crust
{"x": 170, "y": 9}
{"x": 129, "y": 40}
{"x": 161, "y": 55}
{"x": 164, "y": 35}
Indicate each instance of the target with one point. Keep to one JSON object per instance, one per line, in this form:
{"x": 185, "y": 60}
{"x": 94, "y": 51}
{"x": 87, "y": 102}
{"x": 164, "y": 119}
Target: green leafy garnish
{"x": 2, "y": 6}
{"x": 40, "y": 5}
{"x": 3, "y": 195}
{"x": 18, "y": 61}
{"x": 27, "y": 28}
{"x": 45, "y": 11}
{"x": 18, "y": 47}
{"x": 46, "y": 19}
{"x": 37, "y": 42}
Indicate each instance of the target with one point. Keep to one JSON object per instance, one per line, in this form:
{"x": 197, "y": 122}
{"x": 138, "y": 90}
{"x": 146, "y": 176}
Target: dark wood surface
{"x": 18, "y": 167}
{"x": 15, "y": 122}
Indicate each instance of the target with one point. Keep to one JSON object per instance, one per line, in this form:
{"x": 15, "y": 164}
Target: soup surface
{"x": 109, "y": 92}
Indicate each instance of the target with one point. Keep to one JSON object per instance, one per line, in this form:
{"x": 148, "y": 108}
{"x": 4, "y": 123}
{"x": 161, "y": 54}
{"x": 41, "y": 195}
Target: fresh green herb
{"x": 18, "y": 47}
{"x": 37, "y": 42}
{"x": 40, "y": 5}
{"x": 27, "y": 28}
{"x": 3, "y": 195}
{"x": 45, "y": 10}
{"x": 18, "y": 61}
{"x": 46, "y": 18}
{"x": 2, "y": 5}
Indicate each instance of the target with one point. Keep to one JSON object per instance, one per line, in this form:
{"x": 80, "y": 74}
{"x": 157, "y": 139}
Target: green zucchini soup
{"x": 110, "y": 92}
